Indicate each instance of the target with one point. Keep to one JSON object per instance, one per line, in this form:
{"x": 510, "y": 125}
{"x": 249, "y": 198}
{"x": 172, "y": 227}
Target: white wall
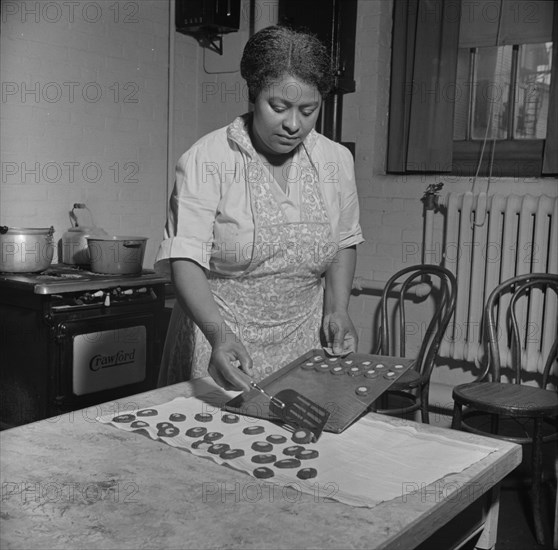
{"x": 84, "y": 114}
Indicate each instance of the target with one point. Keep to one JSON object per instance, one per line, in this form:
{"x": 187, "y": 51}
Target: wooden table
{"x": 72, "y": 482}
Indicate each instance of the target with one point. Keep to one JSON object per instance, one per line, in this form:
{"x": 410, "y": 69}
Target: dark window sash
{"x": 550, "y": 161}
{"x": 424, "y": 63}
{"x": 512, "y": 158}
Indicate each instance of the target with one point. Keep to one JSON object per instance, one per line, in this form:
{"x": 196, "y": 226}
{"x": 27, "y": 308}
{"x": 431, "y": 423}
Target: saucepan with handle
{"x": 116, "y": 255}
{"x": 26, "y": 249}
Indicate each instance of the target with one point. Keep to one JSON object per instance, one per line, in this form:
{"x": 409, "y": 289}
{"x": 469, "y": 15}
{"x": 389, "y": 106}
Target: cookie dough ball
{"x": 253, "y": 430}
{"x": 197, "y": 431}
{"x": 262, "y": 446}
{"x": 307, "y": 473}
{"x": 122, "y": 418}
{"x": 302, "y": 436}
{"x": 293, "y": 450}
{"x": 218, "y": 448}
{"x": 307, "y": 454}
{"x": 265, "y": 458}
{"x": 263, "y": 472}
{"x": 147, "y": 412}
{"x": 276, "y": 439}
{"x": 288, "y": 463}
{"x": 229, "y": 454}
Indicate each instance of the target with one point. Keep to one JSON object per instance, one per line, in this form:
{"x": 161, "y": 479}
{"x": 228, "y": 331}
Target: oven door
{"x": 100, "y": 359}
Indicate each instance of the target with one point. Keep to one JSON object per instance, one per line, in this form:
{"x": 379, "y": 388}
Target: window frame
{"x": 420, "y": 133}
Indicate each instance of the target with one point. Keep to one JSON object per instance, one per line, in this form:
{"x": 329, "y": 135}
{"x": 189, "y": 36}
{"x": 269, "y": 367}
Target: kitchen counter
{"x": 72, "y": 482}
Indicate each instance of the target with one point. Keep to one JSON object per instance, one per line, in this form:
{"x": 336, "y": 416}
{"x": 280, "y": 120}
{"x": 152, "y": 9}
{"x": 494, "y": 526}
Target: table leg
{"x": 555, "y": 546}
{"x": 487, "y": 540}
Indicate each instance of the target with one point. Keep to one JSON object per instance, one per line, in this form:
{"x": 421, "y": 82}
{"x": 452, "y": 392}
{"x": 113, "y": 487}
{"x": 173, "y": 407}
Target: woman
{"x": 261, "y": 210}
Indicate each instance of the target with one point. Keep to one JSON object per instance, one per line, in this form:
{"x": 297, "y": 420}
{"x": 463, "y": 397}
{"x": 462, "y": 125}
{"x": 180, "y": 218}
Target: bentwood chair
{"x": 508, "y": 405}
{"x": 435, "y": 289}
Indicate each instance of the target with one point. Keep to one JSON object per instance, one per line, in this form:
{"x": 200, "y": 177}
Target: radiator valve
{"x": 431, "y": 196}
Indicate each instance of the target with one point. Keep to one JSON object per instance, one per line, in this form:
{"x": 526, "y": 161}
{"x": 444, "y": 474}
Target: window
{"x": 477, "y": 81}
{"x": 505, "y": 92}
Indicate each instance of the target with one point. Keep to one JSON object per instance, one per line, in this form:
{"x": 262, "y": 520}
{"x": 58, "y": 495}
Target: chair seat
{"x": 509, "y": 399}
{"x": 409, "y": 380}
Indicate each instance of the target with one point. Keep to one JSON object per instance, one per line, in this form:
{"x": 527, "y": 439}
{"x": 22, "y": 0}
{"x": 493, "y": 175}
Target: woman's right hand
{"x": 231, "y": 366}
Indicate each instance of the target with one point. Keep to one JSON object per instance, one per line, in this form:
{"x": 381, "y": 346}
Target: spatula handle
{"x": 274, "y": 400}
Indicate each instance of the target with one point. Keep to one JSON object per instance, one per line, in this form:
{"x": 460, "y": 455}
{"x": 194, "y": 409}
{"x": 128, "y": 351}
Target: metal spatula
{"x": 296, "y": 410}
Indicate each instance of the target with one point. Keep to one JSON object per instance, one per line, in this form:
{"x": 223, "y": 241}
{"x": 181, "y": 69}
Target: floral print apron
{"x": 275, "y": 306}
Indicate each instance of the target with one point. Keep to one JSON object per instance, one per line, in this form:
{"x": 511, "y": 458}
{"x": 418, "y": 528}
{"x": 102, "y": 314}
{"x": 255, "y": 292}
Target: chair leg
{"x": 456, "y": 418}
{"x": 555, "y": 535}
{"x": 536, "y": 469}
{"x": 384, "y": 401}
{"x": 555, "y": 546}
{"x": 494, "y": 423}
{"x": 425, "y": 417}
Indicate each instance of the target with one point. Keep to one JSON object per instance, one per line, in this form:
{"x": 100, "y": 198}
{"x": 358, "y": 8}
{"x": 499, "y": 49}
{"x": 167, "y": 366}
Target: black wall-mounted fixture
{"x": 208, "y": 20}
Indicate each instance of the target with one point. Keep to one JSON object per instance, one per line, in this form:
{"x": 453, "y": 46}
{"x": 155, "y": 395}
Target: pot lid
{"x": 26, "y": 230}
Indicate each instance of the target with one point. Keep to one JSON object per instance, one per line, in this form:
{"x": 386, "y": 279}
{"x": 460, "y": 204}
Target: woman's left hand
{"x": 340, "y": 334}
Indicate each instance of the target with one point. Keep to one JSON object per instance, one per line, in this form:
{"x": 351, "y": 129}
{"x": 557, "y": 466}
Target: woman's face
{"x": 284, "y": 113}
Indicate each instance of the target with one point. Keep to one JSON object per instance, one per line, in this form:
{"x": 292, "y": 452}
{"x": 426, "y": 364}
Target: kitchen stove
{"x": 60, "y": 278}
{"x": 71, "y": 338}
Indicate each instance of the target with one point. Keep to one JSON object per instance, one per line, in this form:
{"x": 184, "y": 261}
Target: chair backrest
{"x": 419, "y": 282}
{"x": 510, "y": 326}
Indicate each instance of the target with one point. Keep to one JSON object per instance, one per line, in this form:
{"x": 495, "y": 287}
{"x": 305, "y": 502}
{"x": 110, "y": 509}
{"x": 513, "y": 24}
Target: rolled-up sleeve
{"x": 350, "y": 232}
{"x": 193, "y": 206}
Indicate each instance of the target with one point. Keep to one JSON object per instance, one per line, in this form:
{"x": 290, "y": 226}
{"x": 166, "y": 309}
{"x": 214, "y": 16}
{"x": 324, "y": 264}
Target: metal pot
{"x": 26, "y": 249}
{"x": 116, "y": 255}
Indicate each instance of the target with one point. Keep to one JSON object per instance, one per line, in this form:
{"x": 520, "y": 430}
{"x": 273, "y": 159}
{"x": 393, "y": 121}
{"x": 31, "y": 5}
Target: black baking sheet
{"x": 312, "y": 376}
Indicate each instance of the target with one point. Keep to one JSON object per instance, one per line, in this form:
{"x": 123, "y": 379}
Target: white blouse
{"x": 210, "y": 217}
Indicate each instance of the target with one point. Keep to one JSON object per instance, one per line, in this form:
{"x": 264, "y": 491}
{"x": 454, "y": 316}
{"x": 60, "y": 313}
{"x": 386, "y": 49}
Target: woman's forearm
{"x": 339, "y": 281}
{"x": 194, "y": 295}
{"x": 228, "y": 352}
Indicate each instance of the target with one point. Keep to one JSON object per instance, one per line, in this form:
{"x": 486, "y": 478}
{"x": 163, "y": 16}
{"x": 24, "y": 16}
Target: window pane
{"x": 532, "y": 91}
{"x": 491, "y": 92}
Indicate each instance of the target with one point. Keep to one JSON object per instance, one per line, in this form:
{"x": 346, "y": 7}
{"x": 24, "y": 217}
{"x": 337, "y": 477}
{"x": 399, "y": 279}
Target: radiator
{"x": 488, "y": 239}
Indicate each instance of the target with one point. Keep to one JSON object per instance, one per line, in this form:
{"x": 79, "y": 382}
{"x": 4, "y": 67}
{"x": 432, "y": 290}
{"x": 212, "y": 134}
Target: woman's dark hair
{"x": 275, "y": 51}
